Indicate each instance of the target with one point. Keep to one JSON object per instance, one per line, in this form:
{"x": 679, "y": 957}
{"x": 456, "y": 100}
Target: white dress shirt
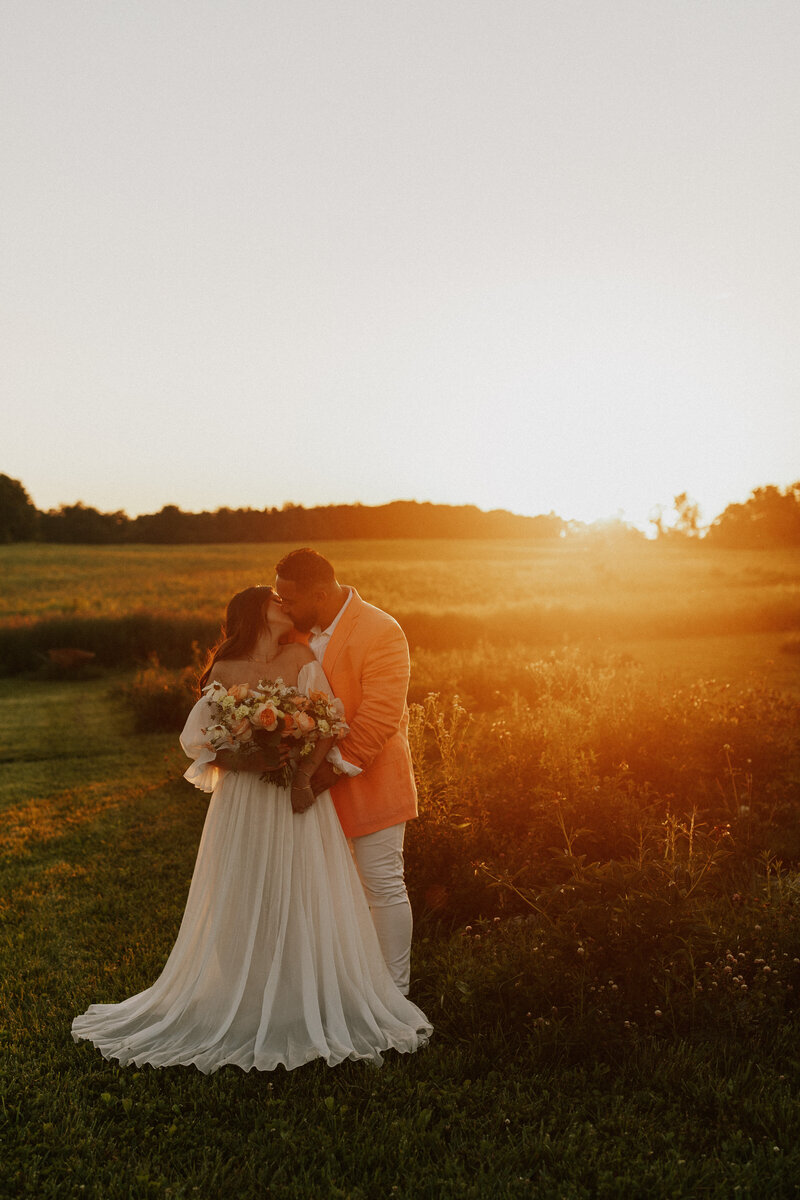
{"x": 318, "y": 644}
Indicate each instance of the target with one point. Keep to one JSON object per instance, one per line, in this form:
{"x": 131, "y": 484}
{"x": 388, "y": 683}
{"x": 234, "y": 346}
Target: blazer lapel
{"x": 342, "y": 632}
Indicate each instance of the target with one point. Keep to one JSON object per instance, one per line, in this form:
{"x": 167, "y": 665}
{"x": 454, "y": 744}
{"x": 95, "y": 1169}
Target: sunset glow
{"x": 523, "y": 255}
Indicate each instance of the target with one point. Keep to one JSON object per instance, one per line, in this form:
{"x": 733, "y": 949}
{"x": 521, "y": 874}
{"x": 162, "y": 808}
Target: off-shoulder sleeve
{"x": 203, "y": 773}
{"x": 312, "y": 678}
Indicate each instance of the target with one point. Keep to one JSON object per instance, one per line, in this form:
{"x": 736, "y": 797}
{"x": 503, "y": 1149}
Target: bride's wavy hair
{"x": 244, "y": 620}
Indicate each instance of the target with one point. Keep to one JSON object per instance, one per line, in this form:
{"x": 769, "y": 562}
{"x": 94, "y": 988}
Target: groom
{"x": 364, "y": 654}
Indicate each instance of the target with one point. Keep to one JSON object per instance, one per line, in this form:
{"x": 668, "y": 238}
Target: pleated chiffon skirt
{"x": 276, "y": 962}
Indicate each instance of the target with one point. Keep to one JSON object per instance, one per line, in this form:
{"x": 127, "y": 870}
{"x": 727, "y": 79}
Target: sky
{"x": 540, "y": 255}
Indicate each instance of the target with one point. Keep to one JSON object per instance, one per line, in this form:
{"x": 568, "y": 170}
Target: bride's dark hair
{"x": 244, "y": 620}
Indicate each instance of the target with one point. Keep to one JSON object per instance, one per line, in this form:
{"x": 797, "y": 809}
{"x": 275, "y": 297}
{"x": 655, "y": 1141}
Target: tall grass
{"x": 620, "y": 859}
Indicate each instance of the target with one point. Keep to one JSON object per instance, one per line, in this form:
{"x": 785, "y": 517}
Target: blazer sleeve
{"x": 384, "y": 686}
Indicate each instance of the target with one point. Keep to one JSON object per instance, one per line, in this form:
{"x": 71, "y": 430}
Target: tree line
{"x": 20, "y": 520}
{"x": 770, "y": 517}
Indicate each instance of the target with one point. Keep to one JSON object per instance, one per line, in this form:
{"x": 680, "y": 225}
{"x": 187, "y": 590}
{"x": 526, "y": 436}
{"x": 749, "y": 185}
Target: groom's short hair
{"x": 306, "y": 568}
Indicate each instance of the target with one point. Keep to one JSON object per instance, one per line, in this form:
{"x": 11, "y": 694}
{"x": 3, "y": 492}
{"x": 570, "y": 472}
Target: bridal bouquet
{"x": 260, "y": 718}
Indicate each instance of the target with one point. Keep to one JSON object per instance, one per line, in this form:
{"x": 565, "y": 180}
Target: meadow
{"x": 124, "y": 602}
{"x": 605, "y": 878}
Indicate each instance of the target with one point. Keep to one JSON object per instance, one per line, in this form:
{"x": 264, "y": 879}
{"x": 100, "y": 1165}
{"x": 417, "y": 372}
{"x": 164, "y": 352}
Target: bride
{"x": 276, "y": 961}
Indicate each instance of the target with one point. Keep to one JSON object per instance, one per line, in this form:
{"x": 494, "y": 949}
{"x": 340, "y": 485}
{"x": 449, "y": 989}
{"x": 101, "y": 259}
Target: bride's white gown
{"x": 276, "y": 960}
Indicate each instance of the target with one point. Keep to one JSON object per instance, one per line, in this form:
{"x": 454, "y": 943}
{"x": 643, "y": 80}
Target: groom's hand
{"x": 323, "y": 778}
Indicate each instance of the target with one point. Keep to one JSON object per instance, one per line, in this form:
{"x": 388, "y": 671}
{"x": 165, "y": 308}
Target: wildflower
{"x": 658, "y": 1013}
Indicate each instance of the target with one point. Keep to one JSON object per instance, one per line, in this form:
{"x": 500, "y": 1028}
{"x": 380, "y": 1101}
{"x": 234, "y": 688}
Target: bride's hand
{"x": 302, "y": 793}
{"x": 230, "y": 761}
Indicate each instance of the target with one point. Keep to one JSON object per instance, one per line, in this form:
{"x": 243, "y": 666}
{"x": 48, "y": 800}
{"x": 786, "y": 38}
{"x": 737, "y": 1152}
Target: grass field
{"x": 604, "y": 878}
{"x": 455, "y": 577}
{"x": 121, "y": 602}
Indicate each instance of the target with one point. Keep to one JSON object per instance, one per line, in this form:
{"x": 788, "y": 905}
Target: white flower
{"x": 218, "y": 738}
{"x": 214, "y": 691}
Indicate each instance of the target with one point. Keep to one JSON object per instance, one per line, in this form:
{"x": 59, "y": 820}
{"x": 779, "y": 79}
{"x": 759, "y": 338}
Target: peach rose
{"x": 304, "y": 721}
{"x": 242, "y": 731}
{"x": 239, "y": 691}
{"x": 266, "y": 716}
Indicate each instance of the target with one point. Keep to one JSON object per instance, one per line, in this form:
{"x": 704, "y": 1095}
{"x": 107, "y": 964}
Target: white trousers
{"x": 379, "y": 859}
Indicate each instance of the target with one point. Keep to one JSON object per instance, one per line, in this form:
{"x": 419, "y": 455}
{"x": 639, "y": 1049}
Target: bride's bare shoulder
{"x": 299, "y": 655}
{"x": 226, "y": 671}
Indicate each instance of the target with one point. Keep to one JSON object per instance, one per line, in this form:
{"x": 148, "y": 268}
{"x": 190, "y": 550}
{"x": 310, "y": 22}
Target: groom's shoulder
{"x": 374, "y": 619}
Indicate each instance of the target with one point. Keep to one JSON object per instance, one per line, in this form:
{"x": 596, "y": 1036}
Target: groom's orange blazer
{"x": 368, "y": 668}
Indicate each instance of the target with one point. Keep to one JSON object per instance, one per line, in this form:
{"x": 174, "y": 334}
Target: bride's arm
{"x": 303, "y": 795}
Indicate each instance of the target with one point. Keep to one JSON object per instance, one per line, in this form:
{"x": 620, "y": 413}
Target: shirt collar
{"x": 317, "y": 632}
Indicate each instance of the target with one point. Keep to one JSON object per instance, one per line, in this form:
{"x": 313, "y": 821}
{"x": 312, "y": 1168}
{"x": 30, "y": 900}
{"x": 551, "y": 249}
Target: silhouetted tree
{"x": 81, "y": 524}
{"x": 18, "y": 515}
{"x": 685, "y": 523}
{"x": 769, "y": 518}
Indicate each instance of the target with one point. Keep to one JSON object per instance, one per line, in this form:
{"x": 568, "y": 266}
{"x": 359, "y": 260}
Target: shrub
{"x": 114, "y": 641}
{"x": 160, "y": 698}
